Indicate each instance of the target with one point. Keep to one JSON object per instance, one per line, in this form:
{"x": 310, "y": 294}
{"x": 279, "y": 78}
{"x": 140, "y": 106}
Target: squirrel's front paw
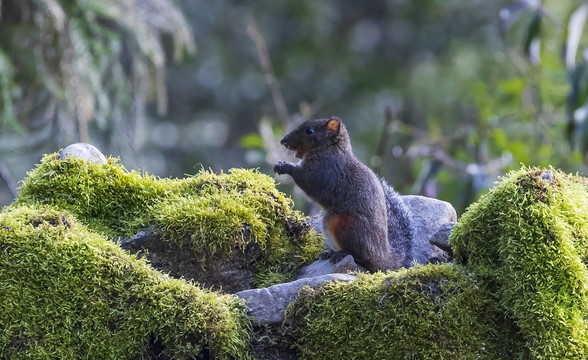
{"x": 282, "y": 167}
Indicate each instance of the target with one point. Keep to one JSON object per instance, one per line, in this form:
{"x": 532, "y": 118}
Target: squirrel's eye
{"x": 310, "y": 131}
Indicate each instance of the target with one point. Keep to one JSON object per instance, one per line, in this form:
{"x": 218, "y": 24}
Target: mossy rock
{"x": 67, "y": 292}
{"x": 528, "y": 239}
{"x": 425, "y": 312}
{"x": 213, "y": 215}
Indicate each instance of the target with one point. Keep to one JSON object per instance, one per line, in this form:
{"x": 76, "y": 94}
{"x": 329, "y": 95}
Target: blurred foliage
{"x": 473, "y": 88}
{"x": 65, "y": 64}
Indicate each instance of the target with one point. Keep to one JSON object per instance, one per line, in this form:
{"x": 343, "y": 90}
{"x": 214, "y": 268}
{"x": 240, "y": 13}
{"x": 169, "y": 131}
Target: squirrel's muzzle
{"x": 284, "y": 140}
{"x": 287, "y": 141}
{"x": 290, "y": 143}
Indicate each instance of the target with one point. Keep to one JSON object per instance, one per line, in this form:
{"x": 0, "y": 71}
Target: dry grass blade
{"x": 265, "y": 63}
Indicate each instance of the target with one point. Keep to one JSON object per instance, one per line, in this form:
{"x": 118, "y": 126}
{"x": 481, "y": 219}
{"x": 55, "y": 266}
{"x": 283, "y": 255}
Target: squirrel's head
{"x": 317, "y": 134}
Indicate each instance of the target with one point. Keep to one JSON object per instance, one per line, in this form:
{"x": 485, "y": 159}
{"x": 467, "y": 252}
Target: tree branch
{"x": 265, "y": 63}
{"x": 388, "y": 117}
{"x": 8, "y": 179}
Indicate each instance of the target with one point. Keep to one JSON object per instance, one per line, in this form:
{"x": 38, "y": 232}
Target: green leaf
{"x": 576, "y": 99}
{"x": 574, "y": 32}
{"x": 531, "y": 44}
{"x": 251, "y": 141}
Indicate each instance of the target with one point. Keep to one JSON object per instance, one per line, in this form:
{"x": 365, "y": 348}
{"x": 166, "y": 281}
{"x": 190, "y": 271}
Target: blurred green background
{"x": 441, "y": 97}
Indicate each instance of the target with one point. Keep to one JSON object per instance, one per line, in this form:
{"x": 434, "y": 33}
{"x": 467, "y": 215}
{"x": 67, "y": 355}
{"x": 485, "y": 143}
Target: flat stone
{"x": 324, "y": 267}
{"x": 267, "y": 305}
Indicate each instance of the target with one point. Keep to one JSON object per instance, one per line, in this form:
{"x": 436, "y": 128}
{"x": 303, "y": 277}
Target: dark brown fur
{"x": 355, "y": 220}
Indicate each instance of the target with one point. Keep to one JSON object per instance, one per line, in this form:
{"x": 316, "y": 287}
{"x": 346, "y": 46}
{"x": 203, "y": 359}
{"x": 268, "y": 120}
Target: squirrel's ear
{"x": 333, "y": 126}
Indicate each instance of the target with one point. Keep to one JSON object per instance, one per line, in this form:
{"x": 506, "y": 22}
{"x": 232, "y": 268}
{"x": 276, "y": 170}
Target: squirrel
{"x": 361, "y": 212}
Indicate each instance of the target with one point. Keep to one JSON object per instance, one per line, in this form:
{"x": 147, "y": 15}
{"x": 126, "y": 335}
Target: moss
{"x": 426, "y": 312}
{"x": 108, "y": 198}
{"x": 217, "y": 213}
{"x": 528, "y": 239}
{"x": 66, "y": 291}
{"x": 518, "y": 289}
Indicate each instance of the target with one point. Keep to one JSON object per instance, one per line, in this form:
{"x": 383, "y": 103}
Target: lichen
{"x": 66, "y": 292}
{"x": 528, "y": 239}
{"x": 426, "y": 312}
{"x": 217, "y": 213}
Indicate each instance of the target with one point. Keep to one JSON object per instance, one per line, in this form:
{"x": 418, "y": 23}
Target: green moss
{"x": 518, "y": 289}
{"x": 67, "y": 292}
{"x": 426, "y": 312}
{"x": 217, "y": 213}
{"x": 108, "y": 198}
{"x": 528, "y": 238}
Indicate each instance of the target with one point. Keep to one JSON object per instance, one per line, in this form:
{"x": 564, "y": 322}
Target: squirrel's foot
{"x": 283, "y": 167}
{"x": 326, "y": 254}
{"x": 337, "y": 256}
{"x": 333, "y": 256}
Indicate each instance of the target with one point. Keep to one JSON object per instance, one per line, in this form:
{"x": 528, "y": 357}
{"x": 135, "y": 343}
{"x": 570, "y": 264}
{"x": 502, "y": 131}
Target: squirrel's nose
{"x": 284, "y": 140}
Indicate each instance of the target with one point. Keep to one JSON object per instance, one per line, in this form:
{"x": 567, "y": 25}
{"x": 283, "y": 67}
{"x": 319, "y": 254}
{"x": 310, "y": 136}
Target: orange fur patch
{"x": 338, "y": 225}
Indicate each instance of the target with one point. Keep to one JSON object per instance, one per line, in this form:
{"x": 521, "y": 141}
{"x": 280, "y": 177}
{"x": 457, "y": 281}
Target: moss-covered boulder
{"x": 425, "y": 312}
{"x": 528, "y": 239}
{"x": 67, "y": 292}
{"x": 216, "y": 218}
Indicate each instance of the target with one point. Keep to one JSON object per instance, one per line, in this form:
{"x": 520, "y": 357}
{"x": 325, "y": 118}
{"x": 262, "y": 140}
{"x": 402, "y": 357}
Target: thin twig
{"x": 388, "y": 117}
{"x": 8, "y": 179}
{"x": 265, "y": 63}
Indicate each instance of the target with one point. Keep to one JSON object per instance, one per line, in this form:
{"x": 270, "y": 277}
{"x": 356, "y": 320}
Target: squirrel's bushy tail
{"x": 400, "y": 227}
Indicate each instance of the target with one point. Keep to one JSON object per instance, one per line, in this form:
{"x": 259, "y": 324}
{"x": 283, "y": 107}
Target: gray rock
{"x": 548, "y": 176}
{"x": 428, "y": 215}
{"x": 267, "y": 305}
{"x": 324, "y": 267}
{"x": 441, "y": 240}
{"x": 84, "y": 151}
